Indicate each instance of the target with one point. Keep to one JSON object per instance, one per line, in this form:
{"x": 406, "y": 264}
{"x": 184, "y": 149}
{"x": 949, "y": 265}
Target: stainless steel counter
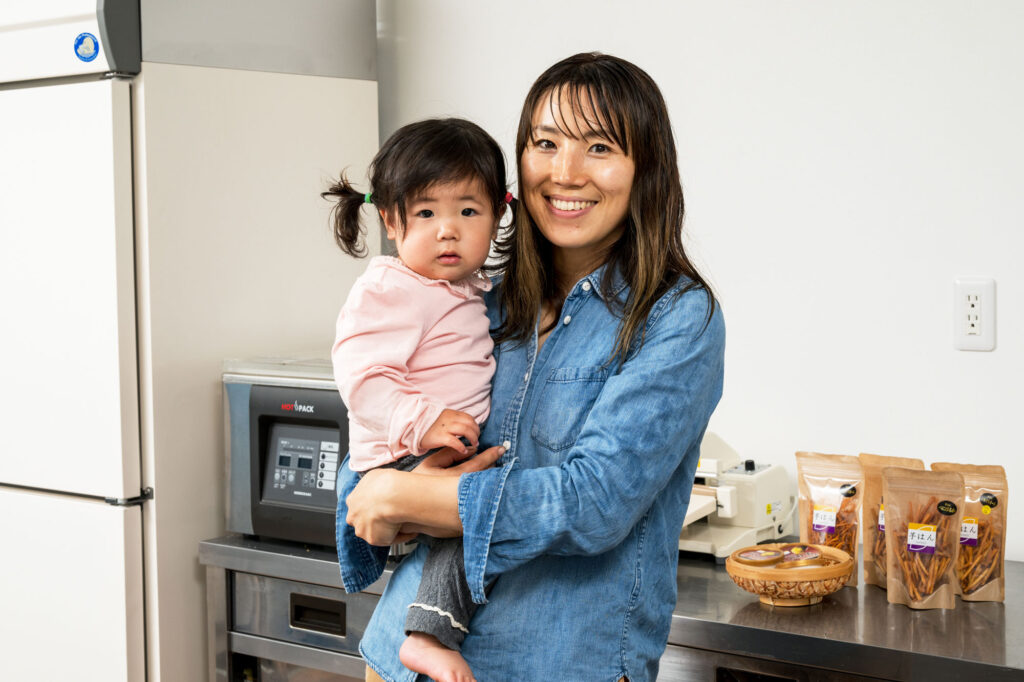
{"x": 854, "y": 631}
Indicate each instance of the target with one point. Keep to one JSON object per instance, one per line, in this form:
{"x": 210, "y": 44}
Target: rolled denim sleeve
{"x": 480, "y": 496}
{"x": 647, "y": 417}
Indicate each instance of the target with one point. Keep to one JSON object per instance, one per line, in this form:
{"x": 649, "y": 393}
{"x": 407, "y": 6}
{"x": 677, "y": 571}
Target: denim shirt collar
{"x": 594, "y": 279}
{"x": 618, "y": 282}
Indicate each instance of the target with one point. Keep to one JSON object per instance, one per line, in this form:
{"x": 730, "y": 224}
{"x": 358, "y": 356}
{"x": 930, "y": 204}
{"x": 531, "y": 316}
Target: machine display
{"x": 306, "y": 459}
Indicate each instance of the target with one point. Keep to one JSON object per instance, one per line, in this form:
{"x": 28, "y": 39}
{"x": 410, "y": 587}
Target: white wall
{"x": 842, "y": 163}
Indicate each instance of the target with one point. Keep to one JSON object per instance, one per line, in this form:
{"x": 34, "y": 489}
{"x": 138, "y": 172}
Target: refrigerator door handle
{"x": 146, "y": 494}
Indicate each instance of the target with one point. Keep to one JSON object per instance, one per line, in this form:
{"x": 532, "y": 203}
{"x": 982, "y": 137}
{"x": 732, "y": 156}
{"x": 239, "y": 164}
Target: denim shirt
{"x": 579, "y": 521}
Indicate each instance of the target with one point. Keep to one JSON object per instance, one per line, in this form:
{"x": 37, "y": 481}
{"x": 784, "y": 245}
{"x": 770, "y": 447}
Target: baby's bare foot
{"x": 423, "y": 654}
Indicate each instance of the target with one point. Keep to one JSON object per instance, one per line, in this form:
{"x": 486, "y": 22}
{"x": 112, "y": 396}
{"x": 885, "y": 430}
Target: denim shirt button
{"x": 586, "y": 286}
{"x": 567, "y": 320}
{"x": 507, "y": 444}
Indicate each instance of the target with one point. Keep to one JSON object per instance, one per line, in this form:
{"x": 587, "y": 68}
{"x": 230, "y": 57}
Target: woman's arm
{"x": 389, "y": 505}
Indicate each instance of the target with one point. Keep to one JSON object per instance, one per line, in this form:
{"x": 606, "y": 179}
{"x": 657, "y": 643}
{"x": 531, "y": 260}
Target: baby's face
{"x": 448, "y": 230}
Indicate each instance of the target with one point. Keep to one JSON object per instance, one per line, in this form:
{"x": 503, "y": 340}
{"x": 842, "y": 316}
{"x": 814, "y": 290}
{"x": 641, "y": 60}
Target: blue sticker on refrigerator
{"x": 86, "y": 47}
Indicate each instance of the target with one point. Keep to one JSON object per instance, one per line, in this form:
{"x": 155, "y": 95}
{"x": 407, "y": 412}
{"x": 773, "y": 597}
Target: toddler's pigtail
{"x": 348, "y": 231}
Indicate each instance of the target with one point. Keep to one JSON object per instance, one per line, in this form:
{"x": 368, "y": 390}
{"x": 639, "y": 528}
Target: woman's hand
{"x": 369, "y": 505}
{"x": 389, "y": 506}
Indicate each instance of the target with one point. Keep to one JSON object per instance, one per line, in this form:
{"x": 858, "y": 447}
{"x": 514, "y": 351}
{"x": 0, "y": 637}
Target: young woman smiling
{"x": 609, "y": 349}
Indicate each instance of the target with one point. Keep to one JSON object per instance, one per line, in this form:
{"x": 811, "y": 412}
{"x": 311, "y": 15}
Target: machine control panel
{"x": 302, "y": 466}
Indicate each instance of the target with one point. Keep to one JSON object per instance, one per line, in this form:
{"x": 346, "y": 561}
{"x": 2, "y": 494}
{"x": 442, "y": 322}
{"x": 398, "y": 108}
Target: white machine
{"x": 735, "y": 502}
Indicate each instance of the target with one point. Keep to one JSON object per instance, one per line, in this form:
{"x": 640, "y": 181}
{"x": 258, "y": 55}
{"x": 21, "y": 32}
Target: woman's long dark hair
{"x": 618, "y": 100}
{"x": 418, "y": 156}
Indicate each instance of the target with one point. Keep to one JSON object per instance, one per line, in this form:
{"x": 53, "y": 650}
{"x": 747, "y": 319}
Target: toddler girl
{"x": 412, "y": 355}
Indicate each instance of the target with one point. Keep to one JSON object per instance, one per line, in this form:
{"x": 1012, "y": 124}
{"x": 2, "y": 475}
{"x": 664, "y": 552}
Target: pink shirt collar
{"x": 467, "y": 287}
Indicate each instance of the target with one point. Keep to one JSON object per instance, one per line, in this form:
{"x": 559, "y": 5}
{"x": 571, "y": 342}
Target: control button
{"x": 277, "y": 475}
{"x": 507, "y": 444}
{"x": 291, "y": 477}
{"x": 328, "y": 457}
{"x": 586, "y": 286}
{"x": 329, "y": 446}
{"x": 567, "y": 319}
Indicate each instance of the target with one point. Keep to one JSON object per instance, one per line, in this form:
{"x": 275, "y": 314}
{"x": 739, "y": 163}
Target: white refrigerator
{"x": 156, "y": 217}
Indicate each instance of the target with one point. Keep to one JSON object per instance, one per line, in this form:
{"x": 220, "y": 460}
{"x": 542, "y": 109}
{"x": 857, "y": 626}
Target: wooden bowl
{"x": 798, "y": 586}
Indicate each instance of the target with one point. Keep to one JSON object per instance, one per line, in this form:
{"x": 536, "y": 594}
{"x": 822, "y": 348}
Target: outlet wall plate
{"x": 974, "y": 313}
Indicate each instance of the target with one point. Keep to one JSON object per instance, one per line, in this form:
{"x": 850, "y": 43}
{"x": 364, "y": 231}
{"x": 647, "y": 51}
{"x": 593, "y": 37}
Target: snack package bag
{"x": 830, "y": 495}
{"x": 922, "y": 536}
{"x": 979, "y": 566}
{"x": 874, "y": 512}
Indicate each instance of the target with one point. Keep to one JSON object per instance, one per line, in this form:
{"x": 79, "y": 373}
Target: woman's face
{"x": 576, "y": 182}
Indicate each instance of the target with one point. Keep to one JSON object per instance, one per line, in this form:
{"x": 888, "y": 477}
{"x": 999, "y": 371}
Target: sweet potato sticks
{"x": 979, "y": 566}
{"x": 830, "y": 496}
{"x": 922, "y": 536}
{"x": 874, "y": 512}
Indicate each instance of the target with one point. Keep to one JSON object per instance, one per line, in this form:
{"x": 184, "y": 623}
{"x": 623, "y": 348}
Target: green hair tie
{"x": 368, "y": 198}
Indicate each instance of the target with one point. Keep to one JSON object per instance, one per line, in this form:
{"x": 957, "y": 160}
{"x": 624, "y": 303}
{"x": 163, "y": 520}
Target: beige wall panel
{"x": 235, "y": 258}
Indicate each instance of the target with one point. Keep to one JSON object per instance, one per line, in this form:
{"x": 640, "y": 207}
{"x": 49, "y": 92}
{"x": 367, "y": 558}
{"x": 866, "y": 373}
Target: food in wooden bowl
{"x": 800, "y": 584}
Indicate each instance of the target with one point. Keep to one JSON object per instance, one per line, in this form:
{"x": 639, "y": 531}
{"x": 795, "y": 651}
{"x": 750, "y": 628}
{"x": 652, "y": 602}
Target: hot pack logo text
{"x": 296, "y": 407}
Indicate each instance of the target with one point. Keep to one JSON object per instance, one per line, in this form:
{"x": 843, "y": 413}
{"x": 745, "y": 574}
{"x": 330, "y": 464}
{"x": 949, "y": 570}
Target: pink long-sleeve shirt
{"x": 406, "y": 348}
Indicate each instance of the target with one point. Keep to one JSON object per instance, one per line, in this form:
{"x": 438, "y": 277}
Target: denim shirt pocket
{"x": 564, "y": 403}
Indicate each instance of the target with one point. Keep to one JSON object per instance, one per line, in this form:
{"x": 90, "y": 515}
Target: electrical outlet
{"x": 974, "y": 313}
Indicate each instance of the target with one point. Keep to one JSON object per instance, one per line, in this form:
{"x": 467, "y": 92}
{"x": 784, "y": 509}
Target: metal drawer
{"x": 302, "y": 613}
{"x": 277, "y": 671}
{"x": 680, "y": 664}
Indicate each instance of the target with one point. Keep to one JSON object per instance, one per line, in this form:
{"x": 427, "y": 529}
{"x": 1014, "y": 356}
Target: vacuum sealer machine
{"x": 735, "y": 502}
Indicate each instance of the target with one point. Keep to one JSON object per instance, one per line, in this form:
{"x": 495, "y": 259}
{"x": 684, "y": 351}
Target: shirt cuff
{"x": 429, "y": 412}
{"x": 479, "y": 498}
{"x": 411, "y": 418}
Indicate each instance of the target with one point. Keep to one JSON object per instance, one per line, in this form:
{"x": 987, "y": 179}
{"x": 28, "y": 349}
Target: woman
{"x": 609, "y": 351}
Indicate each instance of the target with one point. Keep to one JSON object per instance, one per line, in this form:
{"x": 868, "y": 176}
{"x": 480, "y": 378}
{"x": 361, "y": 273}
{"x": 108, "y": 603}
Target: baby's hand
{"x": 447, "y": 428}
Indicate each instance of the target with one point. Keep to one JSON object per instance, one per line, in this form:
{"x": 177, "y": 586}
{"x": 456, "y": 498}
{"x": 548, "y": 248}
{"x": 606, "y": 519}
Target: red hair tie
{"x": 508, "y": 197}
